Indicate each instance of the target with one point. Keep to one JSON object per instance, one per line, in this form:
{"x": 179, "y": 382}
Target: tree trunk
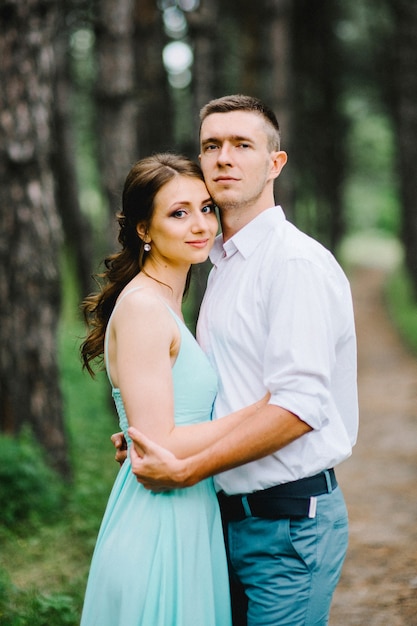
{"x": 116, "y": 100}
{"x": 405, "y": 12}
{"x": 276, "y": 86}
{"x": 77, "y": 229}
{"x": 30, "y": 229}
{"x": 156, "y": 113}
{"x": 203, "y": 24}
{"x": 319, "y": 126}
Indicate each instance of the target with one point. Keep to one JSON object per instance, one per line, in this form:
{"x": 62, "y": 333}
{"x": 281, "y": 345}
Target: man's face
{"x": 237, "y": 164}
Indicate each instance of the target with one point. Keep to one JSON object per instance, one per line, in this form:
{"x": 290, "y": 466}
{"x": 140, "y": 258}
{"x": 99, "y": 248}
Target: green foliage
{"x": 23, "y": 608}
{"x": 91, "y": 420}
{"x": 5, "y": 595}
{"x": 402, "y": 307}
{"x": 70, "y": 308}
{"x": 371, "y": 194}
{"x": 29, "y": 491}
{"x": 43, "y": 571}
{"x": 52, "y": 610}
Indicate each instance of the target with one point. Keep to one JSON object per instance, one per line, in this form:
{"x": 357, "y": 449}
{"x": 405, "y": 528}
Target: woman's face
{"x": 184, "y": 223}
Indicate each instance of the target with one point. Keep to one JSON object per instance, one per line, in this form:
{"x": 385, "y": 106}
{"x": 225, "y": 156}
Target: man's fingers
{"x": 120, "y": 444}
{"x": 137, "y": 436}
{"x": 134, "y": 456}
{"x": 119, "y": 441}
{"x": 150, "y": 486}
{"x": 116, "y": 440}
{"x": 142, "y": 443}
{"x": 120, "y": 456}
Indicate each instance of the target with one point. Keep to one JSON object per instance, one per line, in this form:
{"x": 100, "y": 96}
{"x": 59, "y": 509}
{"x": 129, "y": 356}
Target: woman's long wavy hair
{"x": 142, "y": 184}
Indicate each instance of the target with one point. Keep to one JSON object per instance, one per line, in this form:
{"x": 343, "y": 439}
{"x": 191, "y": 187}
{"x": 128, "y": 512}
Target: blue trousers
{"x": 284, "y": 572}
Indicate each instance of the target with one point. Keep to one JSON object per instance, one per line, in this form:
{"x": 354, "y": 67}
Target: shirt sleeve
{"x": 305, "y": 317}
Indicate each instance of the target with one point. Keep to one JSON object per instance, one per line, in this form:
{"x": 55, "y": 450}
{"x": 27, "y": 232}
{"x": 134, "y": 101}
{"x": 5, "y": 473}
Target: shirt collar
{"x": 249, "y": 237}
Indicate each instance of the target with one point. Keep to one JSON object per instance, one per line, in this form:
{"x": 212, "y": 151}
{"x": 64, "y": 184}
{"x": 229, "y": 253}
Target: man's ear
{"x": 279, "y": 159}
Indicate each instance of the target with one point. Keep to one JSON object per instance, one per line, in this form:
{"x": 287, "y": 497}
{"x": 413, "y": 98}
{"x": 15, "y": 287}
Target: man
{"x": 277, "y": 316}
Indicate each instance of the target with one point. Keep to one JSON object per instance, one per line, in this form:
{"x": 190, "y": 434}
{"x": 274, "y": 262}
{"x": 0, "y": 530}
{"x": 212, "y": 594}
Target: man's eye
{"x": 210, "y": 147}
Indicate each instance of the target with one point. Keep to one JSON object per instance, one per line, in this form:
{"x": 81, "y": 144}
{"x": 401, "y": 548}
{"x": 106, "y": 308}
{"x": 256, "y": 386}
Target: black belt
{"x": 295, "y": 499}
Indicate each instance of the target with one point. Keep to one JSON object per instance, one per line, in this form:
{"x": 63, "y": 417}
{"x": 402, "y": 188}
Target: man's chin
{"x": 226, "y": 199}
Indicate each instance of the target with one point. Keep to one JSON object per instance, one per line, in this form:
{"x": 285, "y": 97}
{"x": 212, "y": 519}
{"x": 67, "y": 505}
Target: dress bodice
{"x": 194, "y": 380}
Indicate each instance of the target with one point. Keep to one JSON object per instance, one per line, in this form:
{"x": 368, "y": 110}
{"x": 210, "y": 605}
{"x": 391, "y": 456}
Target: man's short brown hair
{"x": 239, "y": 102}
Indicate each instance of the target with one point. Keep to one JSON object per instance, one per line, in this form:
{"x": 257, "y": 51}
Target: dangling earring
{"x": 147, "y": 247}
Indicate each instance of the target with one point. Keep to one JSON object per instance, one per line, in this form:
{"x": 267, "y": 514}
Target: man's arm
{"x": 270, "y": 429}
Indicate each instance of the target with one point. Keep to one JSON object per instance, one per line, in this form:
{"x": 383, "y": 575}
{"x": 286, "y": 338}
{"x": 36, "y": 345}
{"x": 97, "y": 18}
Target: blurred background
{"x": 86, "y": 88}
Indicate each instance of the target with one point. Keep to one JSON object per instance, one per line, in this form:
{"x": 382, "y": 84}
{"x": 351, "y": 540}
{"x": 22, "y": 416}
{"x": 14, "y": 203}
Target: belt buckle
{"x": 246, "y": 506}
{"x": 312, "y": 509}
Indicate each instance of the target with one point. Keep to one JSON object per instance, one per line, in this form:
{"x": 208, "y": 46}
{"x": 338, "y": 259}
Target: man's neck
{"x": 233, "y": 219}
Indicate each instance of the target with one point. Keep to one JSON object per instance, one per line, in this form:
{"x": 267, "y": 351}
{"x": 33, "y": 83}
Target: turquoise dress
{"x": 160, "y": 559}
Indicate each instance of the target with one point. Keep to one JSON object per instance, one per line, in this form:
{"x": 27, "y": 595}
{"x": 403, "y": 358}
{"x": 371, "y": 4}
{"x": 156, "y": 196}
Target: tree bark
{"x": 156, "y": 113}
{"x": 77, "y": 229}
{"x": 116, "y": 100}
{"x": 319, "y": 126}
{"x": 30, "y": 229}
{"x": 203, "y": 28}
{"x": 405, "y": 12}
{"x": 276, "y": 87}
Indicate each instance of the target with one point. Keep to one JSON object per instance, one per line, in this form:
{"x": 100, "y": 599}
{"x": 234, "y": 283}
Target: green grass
{"x": 43, "y": 571}
{"x": 402, "y": 307}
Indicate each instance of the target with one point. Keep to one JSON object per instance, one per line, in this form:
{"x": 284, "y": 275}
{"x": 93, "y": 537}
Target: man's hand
{"x": 120, "y": 444}
{"x": 155, "y": 467}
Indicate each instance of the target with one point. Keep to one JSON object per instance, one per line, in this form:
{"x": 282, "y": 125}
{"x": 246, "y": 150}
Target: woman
{"x": 159, "y": 558}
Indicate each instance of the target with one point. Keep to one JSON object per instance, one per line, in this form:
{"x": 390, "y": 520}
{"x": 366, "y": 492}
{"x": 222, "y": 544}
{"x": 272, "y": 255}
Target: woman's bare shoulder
{"x": 143, "y": 303}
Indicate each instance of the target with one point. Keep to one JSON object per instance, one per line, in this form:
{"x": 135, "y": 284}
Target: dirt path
{"x": 379, "y": 581}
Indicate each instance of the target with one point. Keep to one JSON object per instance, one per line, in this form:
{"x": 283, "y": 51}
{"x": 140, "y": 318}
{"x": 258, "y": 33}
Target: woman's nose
{"x": 199, "y": 222}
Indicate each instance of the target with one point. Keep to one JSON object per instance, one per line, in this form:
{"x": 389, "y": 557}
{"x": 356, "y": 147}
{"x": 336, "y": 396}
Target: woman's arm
{"x": 270, "y": 429}
{"x": 144, "y": 343}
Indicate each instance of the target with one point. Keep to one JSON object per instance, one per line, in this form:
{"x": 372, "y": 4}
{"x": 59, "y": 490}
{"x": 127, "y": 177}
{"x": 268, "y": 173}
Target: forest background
{"x": 87, "y": 88}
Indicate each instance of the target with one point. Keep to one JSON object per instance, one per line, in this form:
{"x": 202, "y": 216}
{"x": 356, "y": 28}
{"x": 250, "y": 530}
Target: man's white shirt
{"x": 277, "y": 315}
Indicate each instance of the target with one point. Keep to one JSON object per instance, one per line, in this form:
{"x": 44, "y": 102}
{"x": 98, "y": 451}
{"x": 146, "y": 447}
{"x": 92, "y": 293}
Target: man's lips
{"x": 224, "y": 179}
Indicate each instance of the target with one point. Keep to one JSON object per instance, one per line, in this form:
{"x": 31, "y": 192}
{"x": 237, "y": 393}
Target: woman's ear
{"x": 142, "y": 231}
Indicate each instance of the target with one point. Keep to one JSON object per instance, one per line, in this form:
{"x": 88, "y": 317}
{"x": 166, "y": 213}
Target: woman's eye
{"x": 179, "y": 213}
{"x": 208, "y": 208}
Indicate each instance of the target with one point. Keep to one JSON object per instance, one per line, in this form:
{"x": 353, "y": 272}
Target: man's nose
{"x": 224, "y": 155}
